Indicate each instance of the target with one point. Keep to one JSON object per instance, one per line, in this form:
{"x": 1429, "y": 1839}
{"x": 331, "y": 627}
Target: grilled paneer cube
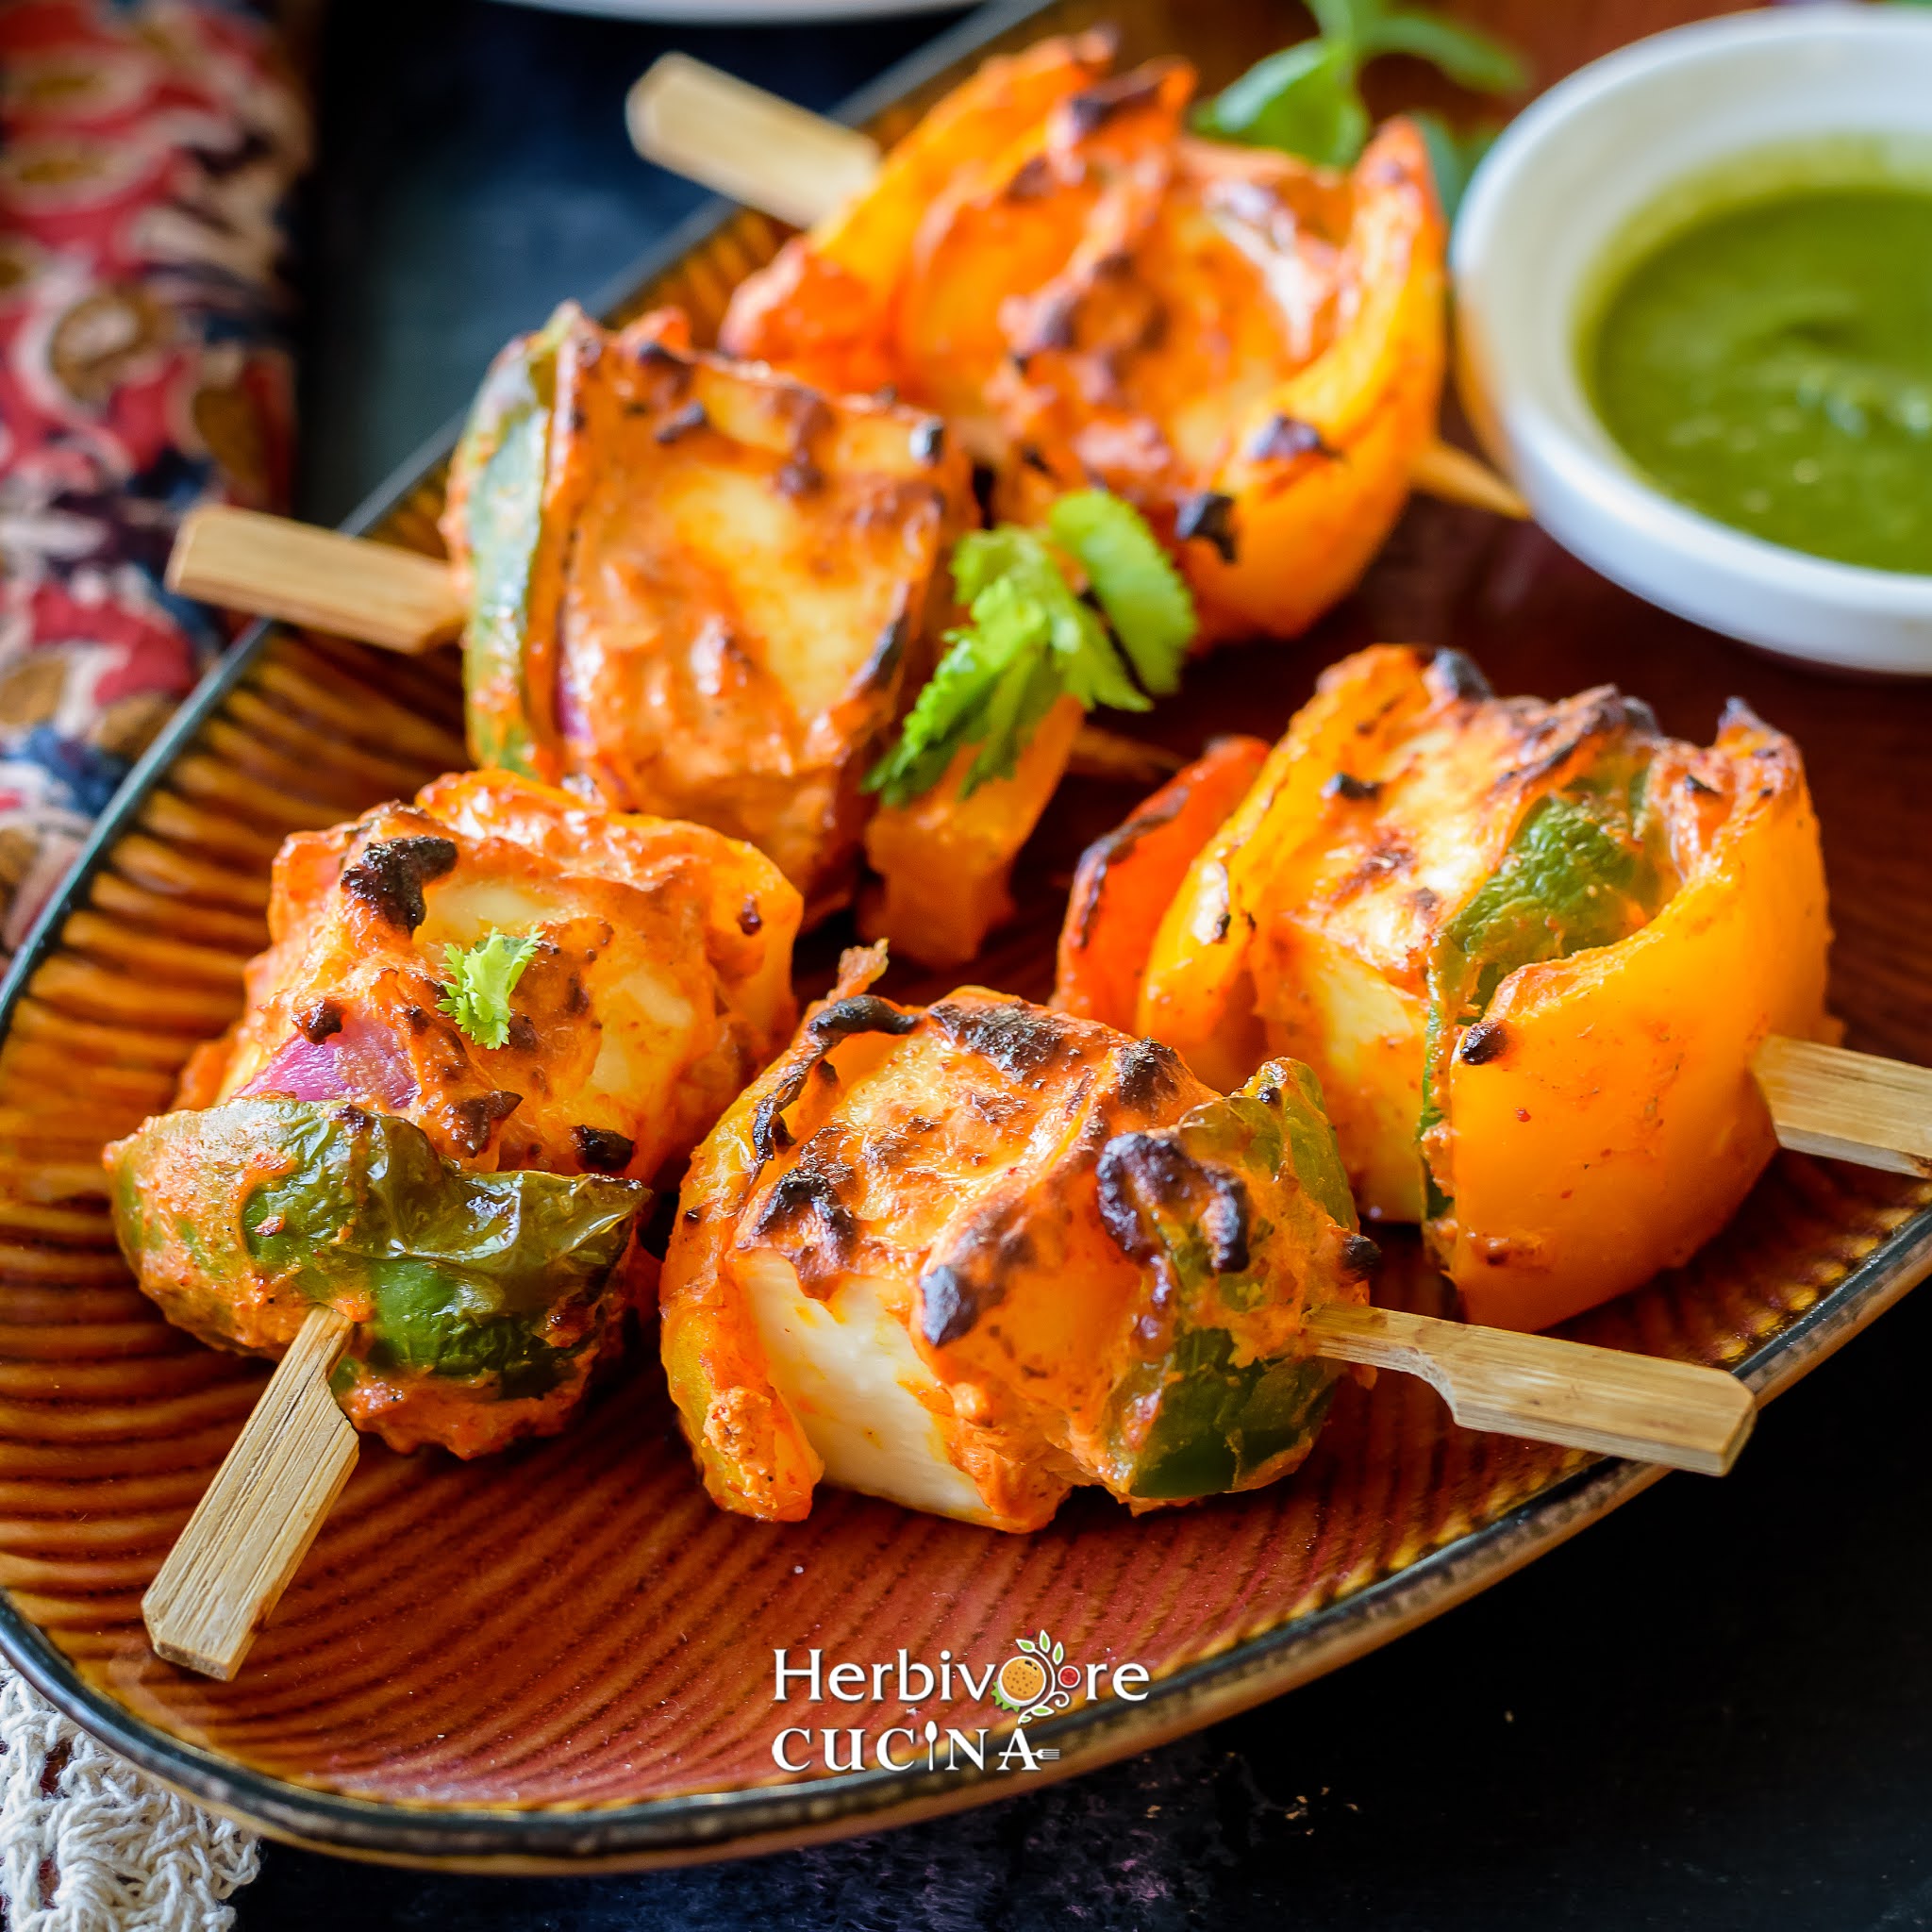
{"x": 1247, "y": 348}
{"x": 1529, "y": 950}
{"x": 969, "y": 1256}
{"x": 697, "y": 589}
{"x": 485, "y": 1021}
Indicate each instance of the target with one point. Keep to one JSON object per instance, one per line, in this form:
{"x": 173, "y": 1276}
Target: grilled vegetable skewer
{"x": 971, "y": 1256}
{"x": 694, "y": 588}
{"x": 767, "y": 153}
{"x": 1534, "y": 952}
{"x": 488, "y": 1024}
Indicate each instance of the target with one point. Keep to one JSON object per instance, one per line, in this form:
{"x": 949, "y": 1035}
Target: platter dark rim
{"x": 761, "y": 1817}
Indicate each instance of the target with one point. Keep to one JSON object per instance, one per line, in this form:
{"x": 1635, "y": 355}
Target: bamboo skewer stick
{"x": 276, "y": 567}
{"x": 767, "y": 154}
{"x": 253, "y": 1525}
{"x": 1552, "y": 1390}
{"x": 405, "y": 602}
{"x": 1848, "y": 1105}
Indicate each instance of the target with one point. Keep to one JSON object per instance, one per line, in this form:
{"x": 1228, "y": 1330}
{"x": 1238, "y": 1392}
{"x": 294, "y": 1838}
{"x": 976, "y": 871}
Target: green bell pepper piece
{"x": 1219, "y": 1204}
{"x": 505, "y": 449}
{"x": 1580, "y": 873}
{"x": 1220, "y": 1427}
{"x": 461, "y": 1271}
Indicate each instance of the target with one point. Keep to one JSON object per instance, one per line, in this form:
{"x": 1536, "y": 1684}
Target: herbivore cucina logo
{"x": 1037, "y": 1680}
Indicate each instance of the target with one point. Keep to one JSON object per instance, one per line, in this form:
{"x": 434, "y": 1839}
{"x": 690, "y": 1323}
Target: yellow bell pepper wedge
{"x": 944, "y": 862}
{"x": 1615, "y": 1126}
{"x": 1571, "y": 1109}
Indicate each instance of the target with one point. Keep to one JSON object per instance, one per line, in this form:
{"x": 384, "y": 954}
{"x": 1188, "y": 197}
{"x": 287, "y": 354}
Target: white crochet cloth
{"x": 87, "y": 1845}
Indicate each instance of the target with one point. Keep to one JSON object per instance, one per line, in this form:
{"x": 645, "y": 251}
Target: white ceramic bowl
{"x": 1564, "y": 193}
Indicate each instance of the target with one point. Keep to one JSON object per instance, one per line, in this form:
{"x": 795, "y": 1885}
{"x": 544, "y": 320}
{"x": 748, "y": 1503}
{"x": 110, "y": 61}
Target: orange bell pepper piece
{"x": 1127, "y": 879}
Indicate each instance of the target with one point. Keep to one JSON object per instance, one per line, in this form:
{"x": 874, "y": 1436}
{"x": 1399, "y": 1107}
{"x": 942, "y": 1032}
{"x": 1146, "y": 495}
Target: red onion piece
{"x": 360, "y": 1062}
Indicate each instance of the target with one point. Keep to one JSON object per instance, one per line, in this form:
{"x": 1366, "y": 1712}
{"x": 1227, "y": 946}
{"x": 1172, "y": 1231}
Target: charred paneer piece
{"x": 697, "y": 587}
{"x": 1247, "y": 348}
{"x": 1529, "y": 950}
{"x": 970, "y": 1256}
{"x": 486, "y": 1022}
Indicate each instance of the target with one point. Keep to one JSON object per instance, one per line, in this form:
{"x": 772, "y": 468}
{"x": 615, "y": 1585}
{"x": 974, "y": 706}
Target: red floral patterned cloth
{"x": 146, "y": 152}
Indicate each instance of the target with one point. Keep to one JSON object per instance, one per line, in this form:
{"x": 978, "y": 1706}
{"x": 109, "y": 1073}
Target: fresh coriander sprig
{"x": 481, "y": 979}
{"x": 1033, "y": 640}
{"x": 1307, "y": 100}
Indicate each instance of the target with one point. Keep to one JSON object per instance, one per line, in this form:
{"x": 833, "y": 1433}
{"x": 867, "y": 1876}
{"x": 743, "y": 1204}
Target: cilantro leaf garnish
{"x": 1032, "y": 640}
{"x": 1307, "y": 99}
{"x": 481, "y": 979}
{"x": 1145, "y": 598}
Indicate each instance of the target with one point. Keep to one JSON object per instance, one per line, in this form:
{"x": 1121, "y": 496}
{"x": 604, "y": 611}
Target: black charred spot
{"x": 985, "y": 481}
{"x": 1030, "y": 455}
{"x": 692, "y": 1214}
{"x": 1346, "y": 785}
{"x": 1460, "y": 676}
{"x": 576, "y": 999}
{"x": 1484, "y": 1042}
{"x": 319, "y": 1021}
{"x": 1359, "y": 1256}
{"x": 580, "y": 422}
{"x": 601, "y": 1151}
{"x": 1149, "y": 1073}
{"x": 768, "y": 1130}
{"x": 1018, "y": 1038}
{"x": 389, "y": 876}
{"x": 416, "y": 1019}
{"x": 1147, "y": 1177}
{"x": 798, "y": 475}
{"x": 1281, "y": 439}
{"x": 681, "y": 423}
{"x": 1092, "y": 107}
{"x": 1424, "y": 899}
{"x": 521, "y": 1034}
{"x": 1209, "y": 517}
{"x": 473, "y": 1120}
{"x": 863, "y": 1012}
{"x": 1700, "y": 787}
{"x": 955, "y": 1293}
{"x": 880, "y": 668}
{"x": 947, "y": 1309}
{"x": 804, "y": 1207}
{"x": 750, "y": 919}
{"x": 928, "y": 440}
{"x": 1090, "y": 882}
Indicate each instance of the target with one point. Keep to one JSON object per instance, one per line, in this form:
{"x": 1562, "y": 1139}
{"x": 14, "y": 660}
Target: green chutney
{"x": 1770, "y": 365}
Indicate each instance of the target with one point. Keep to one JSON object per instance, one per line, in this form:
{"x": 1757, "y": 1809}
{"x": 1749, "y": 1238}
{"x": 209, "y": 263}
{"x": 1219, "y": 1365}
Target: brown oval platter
{"x": 563, "y": 1656}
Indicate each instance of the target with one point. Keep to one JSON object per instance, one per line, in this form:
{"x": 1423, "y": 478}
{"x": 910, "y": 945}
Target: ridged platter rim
{"x": 750, "y": 1819}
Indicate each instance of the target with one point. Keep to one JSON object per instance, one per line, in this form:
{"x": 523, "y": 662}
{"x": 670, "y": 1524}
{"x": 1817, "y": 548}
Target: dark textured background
{"x": 1712, "y": 1711}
